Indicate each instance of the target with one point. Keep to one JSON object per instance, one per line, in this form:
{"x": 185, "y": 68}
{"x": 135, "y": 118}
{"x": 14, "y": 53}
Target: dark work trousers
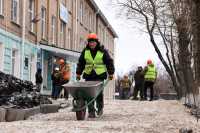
{"x": 125, "y": 93}
{"x": 148, "y": 84}
{"x": 53, "y": 91}
{"x": 99, "y": 101}
{"x": 57, "y": 90}
{"x": 138, "y": 87}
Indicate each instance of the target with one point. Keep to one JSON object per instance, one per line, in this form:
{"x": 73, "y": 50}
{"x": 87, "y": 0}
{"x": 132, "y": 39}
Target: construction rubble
{"x": 19, "y": 93}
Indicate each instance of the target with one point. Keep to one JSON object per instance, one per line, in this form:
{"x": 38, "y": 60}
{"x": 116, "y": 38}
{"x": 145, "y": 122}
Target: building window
{"x": 1, "y": 7}
{"x": 53, "y": 29}
{"x": 81, "y": 12}
{"x": 26, "y": 62}
{"x": 43, "y": 22}
{"x": 62, "y": 33}
{"x": 31, "y": 11}
{"x": 15, "y": 11}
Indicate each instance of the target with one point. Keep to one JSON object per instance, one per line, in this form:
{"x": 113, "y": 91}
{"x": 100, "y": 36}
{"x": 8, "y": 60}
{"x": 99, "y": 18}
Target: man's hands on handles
{"x": 78, "y": 77}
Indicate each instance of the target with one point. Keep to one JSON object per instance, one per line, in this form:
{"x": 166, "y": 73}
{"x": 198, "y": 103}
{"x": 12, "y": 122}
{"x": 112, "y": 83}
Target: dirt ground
{"x": 120, "y": 116}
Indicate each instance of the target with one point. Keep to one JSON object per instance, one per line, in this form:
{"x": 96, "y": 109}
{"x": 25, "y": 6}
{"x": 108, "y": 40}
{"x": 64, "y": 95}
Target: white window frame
{"x": 31, "y": 11}
{"x": 15, "y": 11}
{"x": 53, "y": 29}
{"x": 15, "y": 65}
{"x": 43, "y": 22}
{"x": 1, "y": 7}
{"x": 1, "y": 56}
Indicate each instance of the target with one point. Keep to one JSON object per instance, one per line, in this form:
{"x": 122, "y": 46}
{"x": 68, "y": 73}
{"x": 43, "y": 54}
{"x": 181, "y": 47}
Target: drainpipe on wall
{"x": 23, "y": 37}
{"x": 96, "y": 13}
{"x": 76, "y": 25}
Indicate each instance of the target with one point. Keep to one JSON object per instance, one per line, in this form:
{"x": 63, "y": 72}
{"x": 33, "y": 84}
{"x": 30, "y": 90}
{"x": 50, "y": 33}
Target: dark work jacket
{"x": 107, "y": 60}
{"x": 55, "y": 77}
{"x": 38, "y": 77}
{"x": 139, "y": 77}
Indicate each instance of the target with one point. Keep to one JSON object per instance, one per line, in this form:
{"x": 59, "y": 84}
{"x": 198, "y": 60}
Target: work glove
{"x": 110, "y": 77}
{"x": 78, "y": 77}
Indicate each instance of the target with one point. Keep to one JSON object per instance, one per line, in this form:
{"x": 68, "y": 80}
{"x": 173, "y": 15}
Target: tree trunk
{"x": 196, "y": 34}
{"x": 171, "y": 74}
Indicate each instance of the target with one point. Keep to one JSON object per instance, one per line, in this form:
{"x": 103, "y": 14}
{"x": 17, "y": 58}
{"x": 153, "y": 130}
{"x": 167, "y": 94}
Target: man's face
{"x": 92, "y": 44}
{"x": 140, "y": 68}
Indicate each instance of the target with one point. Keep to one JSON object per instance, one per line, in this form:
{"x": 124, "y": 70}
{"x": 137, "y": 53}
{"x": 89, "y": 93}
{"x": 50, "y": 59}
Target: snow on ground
{"x": 120, "y": 116}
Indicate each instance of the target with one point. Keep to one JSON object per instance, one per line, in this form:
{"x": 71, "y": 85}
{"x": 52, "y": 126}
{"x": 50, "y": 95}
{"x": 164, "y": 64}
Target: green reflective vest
{"x": 94, "y": 64}
{"x": 151, "y": 73}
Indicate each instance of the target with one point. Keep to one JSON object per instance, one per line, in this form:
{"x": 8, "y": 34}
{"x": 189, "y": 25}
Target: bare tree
{"x": 149, "y": 12}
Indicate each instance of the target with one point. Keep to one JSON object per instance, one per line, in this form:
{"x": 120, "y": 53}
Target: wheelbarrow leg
{"x": 80, "y": 115}
{"x": 79, "y": 103}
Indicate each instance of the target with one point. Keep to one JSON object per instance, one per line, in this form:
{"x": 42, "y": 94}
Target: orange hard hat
{"x": 61, "y": 61}
{"x": 92, "y": 36}
{"x": 149, "y": 62}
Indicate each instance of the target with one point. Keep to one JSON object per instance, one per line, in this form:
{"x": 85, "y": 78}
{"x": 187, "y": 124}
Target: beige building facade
{"x": 34, "y": 33}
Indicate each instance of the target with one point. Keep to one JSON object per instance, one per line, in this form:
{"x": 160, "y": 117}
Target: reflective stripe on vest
{"x": 151, "y": 73}
{"x": 96, "y": 63}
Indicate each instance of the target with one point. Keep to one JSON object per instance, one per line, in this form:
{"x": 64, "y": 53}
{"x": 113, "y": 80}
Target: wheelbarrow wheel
{"x": 80, "y": 115}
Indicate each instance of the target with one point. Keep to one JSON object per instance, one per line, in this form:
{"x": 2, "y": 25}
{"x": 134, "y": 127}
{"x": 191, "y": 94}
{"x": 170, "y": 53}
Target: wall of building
{"x": 73, "y": 38}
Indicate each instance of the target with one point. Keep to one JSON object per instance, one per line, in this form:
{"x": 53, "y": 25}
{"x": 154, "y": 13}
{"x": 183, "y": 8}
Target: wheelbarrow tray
{"x": 89, "y": 88}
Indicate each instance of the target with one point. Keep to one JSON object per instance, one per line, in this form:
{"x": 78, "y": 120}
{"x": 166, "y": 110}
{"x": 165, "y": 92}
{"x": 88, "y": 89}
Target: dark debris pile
{"x": 19, "y": 93}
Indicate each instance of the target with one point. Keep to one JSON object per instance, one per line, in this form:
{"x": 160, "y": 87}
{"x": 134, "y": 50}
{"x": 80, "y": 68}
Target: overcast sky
{"x": 133, "y": 46}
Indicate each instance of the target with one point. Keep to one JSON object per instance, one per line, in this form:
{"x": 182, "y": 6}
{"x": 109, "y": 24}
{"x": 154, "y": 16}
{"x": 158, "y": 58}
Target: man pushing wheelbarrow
{"x": 95, "y": 63}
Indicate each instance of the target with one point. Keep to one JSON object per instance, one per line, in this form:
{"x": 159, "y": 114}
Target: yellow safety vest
{"x": 94, "y": 64}
{"x": 151, "y": 73}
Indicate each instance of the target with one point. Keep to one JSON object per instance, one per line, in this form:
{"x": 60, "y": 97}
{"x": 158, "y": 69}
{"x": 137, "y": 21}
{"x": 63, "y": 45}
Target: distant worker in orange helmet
{"x": 65, "y": 71}
{"x": 95, "y": 63}
{"x": 150, "y": 75}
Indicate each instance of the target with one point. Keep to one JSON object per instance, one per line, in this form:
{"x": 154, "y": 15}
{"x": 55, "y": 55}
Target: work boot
{"x": 91, "y": 115}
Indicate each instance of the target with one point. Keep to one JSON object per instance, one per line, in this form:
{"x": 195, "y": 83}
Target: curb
{"x": 49, "y": 108}
{"x": 2, "y": 115}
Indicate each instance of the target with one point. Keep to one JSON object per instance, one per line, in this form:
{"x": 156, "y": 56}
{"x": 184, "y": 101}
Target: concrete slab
{"x": 13, "y": 114}
{"x": 49, "y": 108}
{"x": 2, "y": 114}
{"x": 31, "y": 111}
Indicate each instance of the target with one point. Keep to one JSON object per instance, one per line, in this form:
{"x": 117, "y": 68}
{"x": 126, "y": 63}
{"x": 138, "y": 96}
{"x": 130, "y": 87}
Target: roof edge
{"x": 104, "y": 18}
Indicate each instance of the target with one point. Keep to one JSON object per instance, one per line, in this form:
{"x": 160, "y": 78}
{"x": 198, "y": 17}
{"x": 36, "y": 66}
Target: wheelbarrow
{"x": 81, "y": 92}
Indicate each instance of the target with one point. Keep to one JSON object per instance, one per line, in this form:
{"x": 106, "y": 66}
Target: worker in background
{"x": 56, "y": 86}
{"x": 125, "y": 85}
{"x": 150, "y": 75}
{"x": 65, "y": 71}
{"x": 95, "y": 63}
{"x": 139, "y": 83}
{"x": 38, "y": 79}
